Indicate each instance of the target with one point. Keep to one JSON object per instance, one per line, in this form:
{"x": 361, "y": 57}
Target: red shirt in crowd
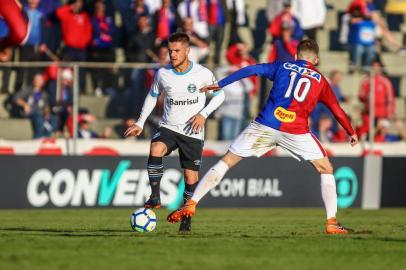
{"x": 384, "y": 96}
{"x": 235, "y": 58}
{"x": 76, "y": 27}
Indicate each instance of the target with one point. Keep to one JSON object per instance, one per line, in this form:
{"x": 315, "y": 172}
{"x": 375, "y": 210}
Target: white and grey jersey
{"x": 182, "y": 99}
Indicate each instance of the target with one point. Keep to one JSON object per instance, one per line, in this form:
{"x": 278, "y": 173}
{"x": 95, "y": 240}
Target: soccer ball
{"x": 143, "y": 220}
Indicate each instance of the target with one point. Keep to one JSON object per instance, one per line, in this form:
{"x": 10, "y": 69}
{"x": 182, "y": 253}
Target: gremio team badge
{"x": 191, "y": 88}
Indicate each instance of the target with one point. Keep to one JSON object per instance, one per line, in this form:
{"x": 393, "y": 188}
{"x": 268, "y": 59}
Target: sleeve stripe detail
{"x": 153, "y": 94}
{"x": 217, "y": 93}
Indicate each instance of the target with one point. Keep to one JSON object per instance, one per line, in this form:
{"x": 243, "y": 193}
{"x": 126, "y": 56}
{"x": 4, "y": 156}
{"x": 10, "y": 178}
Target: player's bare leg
{"x": 155, "y": 172}
{"x": 211, "y": 179}
{"x": 191, "y": 178}
{"x": 329, "y": 195}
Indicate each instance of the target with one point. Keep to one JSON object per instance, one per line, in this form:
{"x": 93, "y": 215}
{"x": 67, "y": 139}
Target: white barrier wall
{"x": 141, "y": 147}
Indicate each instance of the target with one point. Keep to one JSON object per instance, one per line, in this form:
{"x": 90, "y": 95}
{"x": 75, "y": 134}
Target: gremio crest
{"x": 191, "y": 88}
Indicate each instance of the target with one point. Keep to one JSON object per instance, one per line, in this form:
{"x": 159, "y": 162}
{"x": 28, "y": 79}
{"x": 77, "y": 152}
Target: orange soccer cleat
{"x": 333, "y": 227}
{"x": 188, "y": 210}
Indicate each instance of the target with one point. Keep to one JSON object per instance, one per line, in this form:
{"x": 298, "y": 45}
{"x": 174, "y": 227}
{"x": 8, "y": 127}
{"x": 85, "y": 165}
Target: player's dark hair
{"x": 308, "y": 45}
{"x": 180, "y": 37}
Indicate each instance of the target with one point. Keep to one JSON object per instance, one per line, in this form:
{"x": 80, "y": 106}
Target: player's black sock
{"x": 188, "y": 193}
{"x": 155, "y": 172}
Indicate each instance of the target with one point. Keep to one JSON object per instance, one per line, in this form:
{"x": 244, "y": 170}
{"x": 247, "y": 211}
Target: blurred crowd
{"x": 136, "y": 31}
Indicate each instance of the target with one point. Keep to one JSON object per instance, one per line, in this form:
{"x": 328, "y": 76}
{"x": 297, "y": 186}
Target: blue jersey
{"x": 297, "y": 87}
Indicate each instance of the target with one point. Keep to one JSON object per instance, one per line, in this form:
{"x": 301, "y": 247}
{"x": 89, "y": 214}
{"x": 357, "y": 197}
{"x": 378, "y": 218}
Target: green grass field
{"x": 266, "y": 238}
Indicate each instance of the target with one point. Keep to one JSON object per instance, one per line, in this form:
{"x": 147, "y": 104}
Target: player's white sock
{"x": 210, "y": 180}
{"x": 329, "y": 194}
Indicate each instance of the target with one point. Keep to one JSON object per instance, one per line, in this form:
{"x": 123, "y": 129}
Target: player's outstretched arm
{"x": 254, "y": 70}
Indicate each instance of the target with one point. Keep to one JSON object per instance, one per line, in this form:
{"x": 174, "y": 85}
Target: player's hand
{"x": 354, "y": 140}
{"x": 212, "y": 87}
{"x": 133, "y": 130}
{"x": 195, "y": 124}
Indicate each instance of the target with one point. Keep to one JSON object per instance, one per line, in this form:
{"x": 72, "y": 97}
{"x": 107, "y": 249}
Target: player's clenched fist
{"x": 133, "y": 130}
{"x": 212, "y": 87}
{"x": 354, "y": 140}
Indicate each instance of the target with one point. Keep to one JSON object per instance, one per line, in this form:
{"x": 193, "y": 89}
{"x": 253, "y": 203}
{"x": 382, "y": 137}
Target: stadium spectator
{"x": 284, "y": 48}
{"x": 84, "y": 131}
{"x": 217, "y": 20}
{"x": 311, "y": 15}
{"x": 35, "y": 103}
{"x": 273, "y": 8}
{"x": 238, "y": 55}
{"x": 154, "y": 5}
{"x": 30, "y": 50}
{"x": 238, "y": 12}
{"x": 384, "y": 106}
{"x": 197, "y": 10}
{"x": 335, "y": 79}
{"x": 231, "y": 112}
{"x": 199, "y": 48}
{"x": 101, "y": 49}
{"x": 286, "y": 16}
{"x": 164, "y": 22}
{"x": 138, "y": 10}
{"x": 362, "y": 35}
{"x": 382, "y": 133}
{"x": 141, "y": 42}
{"x": 324, "y": 131}
{"x": 321, "y": 110}
{"x": 64, "y": 99}
{"x": 76, "y": 30}
{"x": 140, "y": 48}
{"x": 237, "y": 18}
{"x": 368, "y": 9}
{"x": 51, "y": 32}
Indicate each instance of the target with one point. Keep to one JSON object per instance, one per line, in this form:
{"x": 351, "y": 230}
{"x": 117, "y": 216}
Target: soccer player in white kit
{"x": 184, "y": 116}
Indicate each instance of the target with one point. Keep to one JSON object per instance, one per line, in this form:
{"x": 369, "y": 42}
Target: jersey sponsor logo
{"x": 191, "y": 88}
{"x": 284, "y": 115}
{"x": 303, "y": 71}
{"x": 171, "y": 101}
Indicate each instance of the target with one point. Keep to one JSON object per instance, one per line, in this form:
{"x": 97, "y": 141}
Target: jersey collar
{"x": 184, "y": 72}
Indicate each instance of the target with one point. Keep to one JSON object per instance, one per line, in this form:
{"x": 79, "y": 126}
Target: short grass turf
{"x": 265, "y": 238}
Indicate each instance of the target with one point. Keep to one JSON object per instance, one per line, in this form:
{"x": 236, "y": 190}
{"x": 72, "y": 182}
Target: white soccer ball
{"x": 143, "y": 220}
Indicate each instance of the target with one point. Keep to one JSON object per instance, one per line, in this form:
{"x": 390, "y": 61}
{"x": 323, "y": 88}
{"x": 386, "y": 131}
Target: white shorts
{"x": 257, "y": 139}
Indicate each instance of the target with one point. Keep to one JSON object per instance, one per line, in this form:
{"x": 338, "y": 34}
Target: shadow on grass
{"x": 68, "y": 233}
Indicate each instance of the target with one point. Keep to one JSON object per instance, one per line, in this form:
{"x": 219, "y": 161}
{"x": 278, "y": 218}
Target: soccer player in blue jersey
{"x": 297, "y": 88}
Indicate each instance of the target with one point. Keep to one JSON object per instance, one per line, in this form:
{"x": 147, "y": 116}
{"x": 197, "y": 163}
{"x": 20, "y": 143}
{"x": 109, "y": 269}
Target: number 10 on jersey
{"x": 304, "y": 83}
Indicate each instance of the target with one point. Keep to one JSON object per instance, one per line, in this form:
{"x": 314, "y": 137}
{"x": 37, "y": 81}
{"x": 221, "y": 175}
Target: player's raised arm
{"x": 329, "y": 99}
